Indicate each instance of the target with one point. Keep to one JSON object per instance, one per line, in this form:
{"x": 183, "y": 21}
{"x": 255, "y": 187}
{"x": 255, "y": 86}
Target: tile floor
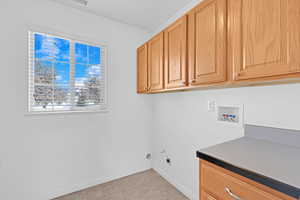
{"x": 146, "y": 185}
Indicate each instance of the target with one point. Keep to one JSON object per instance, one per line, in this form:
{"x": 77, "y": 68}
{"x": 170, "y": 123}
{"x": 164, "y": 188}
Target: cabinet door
{"x": 155, "y": 63}
{"x": 207, "y": 42}
{"x": 142, "y": 69}
{"x": 264, "y": 38}
{"x": 206, "y": 196}
{"x": 175, "y": 38}
{"x": 227, "y": 185}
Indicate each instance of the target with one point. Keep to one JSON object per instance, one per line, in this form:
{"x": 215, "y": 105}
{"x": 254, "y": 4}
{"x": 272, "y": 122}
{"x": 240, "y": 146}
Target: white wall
{"x": 42, "y": 157}
{"x": 183, "y": 124}
{"x": 175, "y": 16}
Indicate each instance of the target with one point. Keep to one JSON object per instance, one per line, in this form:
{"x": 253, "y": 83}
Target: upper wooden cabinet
{"x": 155, "y": 63}
{"x": 175, "y": 40}
{"x": 264, "y": 38}
{"x": 224, "y": 43}
{"x": 142, "y": 67}
{"x": 207, "y": 42}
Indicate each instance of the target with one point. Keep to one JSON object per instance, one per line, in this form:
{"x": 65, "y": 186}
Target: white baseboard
{"x": 186, "y": 191}
{"x": 80, "y": 187}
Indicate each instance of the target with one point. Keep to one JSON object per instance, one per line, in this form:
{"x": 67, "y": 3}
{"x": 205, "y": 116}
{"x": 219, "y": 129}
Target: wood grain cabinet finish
{"x": 156, "y": 63}
{"x": 207, "y": 42}
{"x": 225, "y": 43}
{"x": 142, "y": 69}
{"x": 175, "y": 40}
{"x": 220, "y": 184}
{"x": 206, "y": 196}
{"x": 264, "y": 38}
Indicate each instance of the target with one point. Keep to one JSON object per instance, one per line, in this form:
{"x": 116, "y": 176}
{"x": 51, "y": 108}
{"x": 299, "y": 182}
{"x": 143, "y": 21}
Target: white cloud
{"x": 49, "y": 46}
{"x": 80, "y": 81}
{"x": 94, "y": 70}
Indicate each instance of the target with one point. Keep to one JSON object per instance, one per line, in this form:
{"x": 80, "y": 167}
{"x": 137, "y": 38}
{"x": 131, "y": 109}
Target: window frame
{"x": 103, "y": 107}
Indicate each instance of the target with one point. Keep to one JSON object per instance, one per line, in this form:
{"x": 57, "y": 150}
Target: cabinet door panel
{"x": 175, "y": 54}
{"x": 294, "y": 34}
{"x": 155, "y": 63}
{"x": 262, "y": 32}
{"x": 224, "y": 185}
{"x": 207, "y": 42}
{"x": 262, "y": 38}
{"x": 142, "y": 69}
{"x": 206, "y": 196}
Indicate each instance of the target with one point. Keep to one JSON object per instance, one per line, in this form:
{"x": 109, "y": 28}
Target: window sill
{"x": 67, "y": 112}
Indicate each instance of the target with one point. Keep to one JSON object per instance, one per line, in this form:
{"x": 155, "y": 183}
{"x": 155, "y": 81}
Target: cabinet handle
{"x": 193, "y": 81}
{"x": 234, "y": 196}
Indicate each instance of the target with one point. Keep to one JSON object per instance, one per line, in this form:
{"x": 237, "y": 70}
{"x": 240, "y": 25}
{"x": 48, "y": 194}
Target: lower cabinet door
{"x": 206, "y": 196}
{"x": 222, "y": 184}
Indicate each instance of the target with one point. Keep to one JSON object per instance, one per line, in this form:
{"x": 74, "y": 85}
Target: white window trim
{"x": 104, "y": 108}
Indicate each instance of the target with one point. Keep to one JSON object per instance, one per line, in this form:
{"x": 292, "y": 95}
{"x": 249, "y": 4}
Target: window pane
{"x": 81, "y": 53}
{"x": 88, "y": 96}
{"x": 94, "y": 55}
{"x": 88, "y": 85}
{"x": 62, "y": 73}
{"x": 63, "y": 50}
{"x": 83, "y": 73}
{"x": 43, "y": 72}
{"x": 62, "y": 97}
{"x": 62, "y": 91}
{"x": 48, "y": 47}
{"x": 59, "y": 85}
{"x": 43, "y": 96}
{"x": 95, "y": 71}
{"x": 93, "y": 87}
{"x": 81, "y": 97}
{"x": 80, "y": 74}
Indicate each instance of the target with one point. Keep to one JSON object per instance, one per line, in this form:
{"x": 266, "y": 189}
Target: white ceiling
{"x": 146, "y": 14}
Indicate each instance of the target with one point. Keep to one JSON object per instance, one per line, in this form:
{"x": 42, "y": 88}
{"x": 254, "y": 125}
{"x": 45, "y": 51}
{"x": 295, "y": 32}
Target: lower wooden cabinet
{"x": 206, "y": 196}
{"x": 217, "y": 183}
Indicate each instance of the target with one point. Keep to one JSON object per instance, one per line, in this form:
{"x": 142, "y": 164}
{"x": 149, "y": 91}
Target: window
{"x": 65, "y": 74}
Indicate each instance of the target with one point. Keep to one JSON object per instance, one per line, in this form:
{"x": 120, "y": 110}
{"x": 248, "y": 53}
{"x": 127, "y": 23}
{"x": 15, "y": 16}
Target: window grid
{"x": 101, "y": 105}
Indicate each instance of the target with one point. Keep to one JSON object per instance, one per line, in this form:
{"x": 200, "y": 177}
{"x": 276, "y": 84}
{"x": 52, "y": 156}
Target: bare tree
{"x": 90, "y": 93}
{"x": 45, "y": 91}
{"x": 94, "y": 92}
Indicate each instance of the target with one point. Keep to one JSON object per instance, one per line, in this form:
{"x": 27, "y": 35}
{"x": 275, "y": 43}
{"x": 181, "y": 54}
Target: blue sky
{"x": 86, "y": 58}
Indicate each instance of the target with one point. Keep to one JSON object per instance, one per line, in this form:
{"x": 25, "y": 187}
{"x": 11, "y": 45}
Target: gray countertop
{"x": 277, "y": 161}
{"x": 270, "y": 156}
